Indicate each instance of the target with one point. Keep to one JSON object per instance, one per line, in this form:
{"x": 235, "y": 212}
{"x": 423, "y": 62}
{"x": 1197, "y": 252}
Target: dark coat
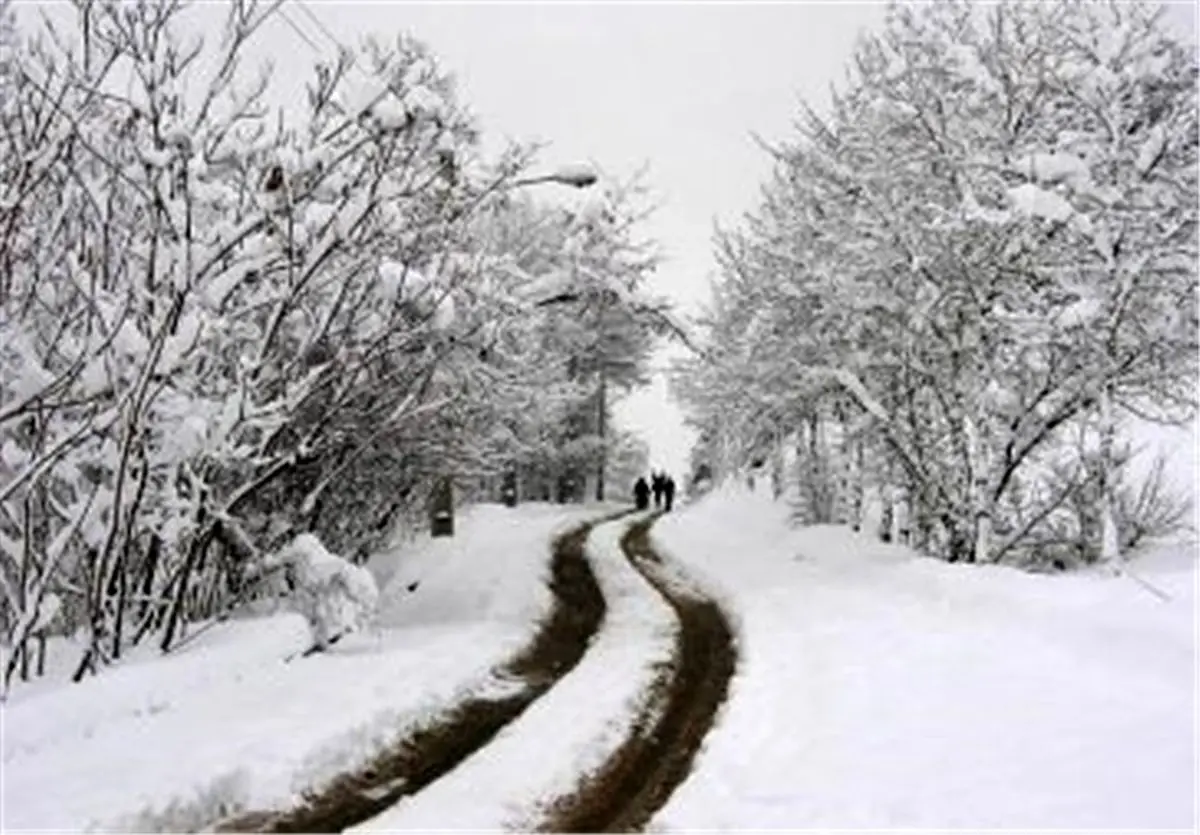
{"x": 641, "y": 493}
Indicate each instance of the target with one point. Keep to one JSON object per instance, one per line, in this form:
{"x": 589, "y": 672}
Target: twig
{"x": 314, "y": 649}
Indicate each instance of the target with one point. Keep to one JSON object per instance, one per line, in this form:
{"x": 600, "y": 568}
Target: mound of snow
{"x": 334, "y": 596}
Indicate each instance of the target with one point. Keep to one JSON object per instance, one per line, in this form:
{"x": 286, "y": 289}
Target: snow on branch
{"x": 855, "y": 387}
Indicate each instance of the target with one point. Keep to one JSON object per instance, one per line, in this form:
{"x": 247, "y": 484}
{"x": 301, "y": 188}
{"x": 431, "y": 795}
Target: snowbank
{"x": 224, "y": 725}
{"x": 877, "y": 688}
{"x": 572, "y": 730}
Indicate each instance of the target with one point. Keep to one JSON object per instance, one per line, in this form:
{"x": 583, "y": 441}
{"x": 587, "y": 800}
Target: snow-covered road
{"x": 571, "y": 731}
{"x": 639, "y": 776}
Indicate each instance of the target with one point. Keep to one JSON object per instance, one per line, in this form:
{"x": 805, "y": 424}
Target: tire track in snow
{"x": 625, "y": 793}
{"x": 431, "y": 752}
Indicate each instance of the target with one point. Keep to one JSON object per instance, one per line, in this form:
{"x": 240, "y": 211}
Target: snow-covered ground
{"x": 224, "y": 724}
{"x": 573, "y": 729}
{"x": 877, "y": 688}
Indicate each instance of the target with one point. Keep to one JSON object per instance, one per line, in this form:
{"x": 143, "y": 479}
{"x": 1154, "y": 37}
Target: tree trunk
{"x": 899, "y": 516}
{"x": 1110, "y": 544}
{"x": 816, "y": 475}
{"x": 776, "y": 464}
{"x": 87, "y": 664}
{"x": 179, "y": 601}
{"x": 887, "y": 515}
{"x": 122, "y": 602}
{"x": 153, "y": 553}
{"x": 212, "y": 598}
{"x": 980, "y": 550}
{"x": 857, "y": 486}
{"x": 23, "y": 588}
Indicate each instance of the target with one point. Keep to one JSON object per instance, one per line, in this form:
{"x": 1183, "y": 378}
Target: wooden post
{"x": 602, "y": 396}
{"x": 508, "y": 489}
{"x": 441, "y": 508}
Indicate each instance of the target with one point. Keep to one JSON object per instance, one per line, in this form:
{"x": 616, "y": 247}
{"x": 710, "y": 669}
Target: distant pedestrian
{"x": 669, "y": 491}
{"x": 641, "y": 493}
{"x": 657, "y": 481}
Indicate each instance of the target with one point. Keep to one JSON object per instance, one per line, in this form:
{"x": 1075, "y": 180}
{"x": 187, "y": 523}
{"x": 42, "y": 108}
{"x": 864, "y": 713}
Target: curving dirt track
{"x": 638, "y": 779}
{"x": 426, "y": 755}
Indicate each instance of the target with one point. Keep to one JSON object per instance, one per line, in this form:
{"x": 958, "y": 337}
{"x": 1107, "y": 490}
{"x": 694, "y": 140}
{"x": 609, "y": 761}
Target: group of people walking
{"x": 661, "y": 485}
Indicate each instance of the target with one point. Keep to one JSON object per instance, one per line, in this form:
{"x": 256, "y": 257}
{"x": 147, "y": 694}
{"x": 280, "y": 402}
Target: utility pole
{"x": 600, "y": 422}
{"x": 441, "y": 504}
{"x": 601, "y": 393}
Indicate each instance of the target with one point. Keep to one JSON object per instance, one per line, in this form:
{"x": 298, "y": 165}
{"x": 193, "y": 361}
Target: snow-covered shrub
{"x": 335, "y": 596}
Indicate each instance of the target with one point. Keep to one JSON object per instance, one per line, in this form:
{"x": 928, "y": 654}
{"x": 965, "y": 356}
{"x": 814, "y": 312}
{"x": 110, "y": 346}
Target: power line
{"x": 311, "y": 15}
{"x": 317, "y": 22}
{"x": 298, "y": 30}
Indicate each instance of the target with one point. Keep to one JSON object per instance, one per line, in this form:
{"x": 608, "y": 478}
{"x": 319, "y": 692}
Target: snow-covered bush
{"x": 335, "y": 596}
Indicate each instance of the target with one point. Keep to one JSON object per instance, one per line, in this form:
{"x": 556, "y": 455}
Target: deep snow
{"x": 175, "y": 743}
{"x": 878, "y": 688}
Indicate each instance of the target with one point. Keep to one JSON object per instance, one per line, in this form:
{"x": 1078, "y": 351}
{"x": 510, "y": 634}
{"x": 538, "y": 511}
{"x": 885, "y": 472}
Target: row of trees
{"x": 220, "y": 327}
{"x": 966, "y": 278}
